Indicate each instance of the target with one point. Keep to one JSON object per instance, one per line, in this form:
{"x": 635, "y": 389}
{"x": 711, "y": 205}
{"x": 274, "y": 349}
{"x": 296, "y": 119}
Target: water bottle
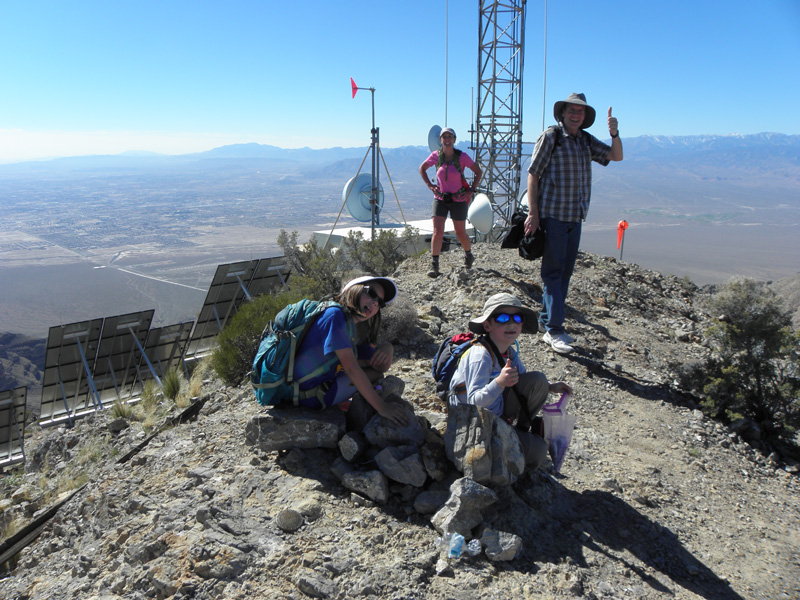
{"x": 455, "y": 545}
{"x": 474, "y": 547}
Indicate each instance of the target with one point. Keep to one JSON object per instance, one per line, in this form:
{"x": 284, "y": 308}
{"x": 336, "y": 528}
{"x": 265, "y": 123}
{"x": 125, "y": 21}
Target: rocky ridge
{"x": 653, "y": 501}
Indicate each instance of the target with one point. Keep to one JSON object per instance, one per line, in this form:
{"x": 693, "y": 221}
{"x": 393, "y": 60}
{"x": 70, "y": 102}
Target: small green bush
{"x": 316, "y": 272}
{"x": 379, "y": 256}
{"x": 237, "y": 344}
{"x": 754, "y": 370}
{"x": 121, "y": 409}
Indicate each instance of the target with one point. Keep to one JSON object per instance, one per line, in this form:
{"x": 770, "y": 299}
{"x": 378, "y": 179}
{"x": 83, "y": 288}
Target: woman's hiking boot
{"x": 434, "y": 270}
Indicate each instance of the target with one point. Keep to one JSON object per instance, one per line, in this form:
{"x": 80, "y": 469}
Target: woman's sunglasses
{"x": 374, "y": 295}
{"x": 503, "y": 318}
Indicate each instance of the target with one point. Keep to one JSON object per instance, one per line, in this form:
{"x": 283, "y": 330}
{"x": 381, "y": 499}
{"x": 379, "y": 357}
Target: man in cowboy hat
{"x": 559, "y": 189}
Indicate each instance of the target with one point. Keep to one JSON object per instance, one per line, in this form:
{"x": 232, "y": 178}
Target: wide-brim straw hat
{"x": 580, "y": 100}
{"x": 498, "y": 301}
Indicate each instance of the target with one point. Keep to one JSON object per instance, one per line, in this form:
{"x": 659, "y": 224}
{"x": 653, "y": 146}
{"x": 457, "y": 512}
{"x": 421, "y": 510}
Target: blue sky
{"x": 83, "y": 77}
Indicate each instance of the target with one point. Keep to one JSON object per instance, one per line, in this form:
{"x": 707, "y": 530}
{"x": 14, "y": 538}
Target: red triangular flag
{"x": 353, "y": 86}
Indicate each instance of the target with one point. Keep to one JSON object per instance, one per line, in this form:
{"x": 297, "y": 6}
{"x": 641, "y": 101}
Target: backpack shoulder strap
{"x": 493, "y": 350}
{"x": 456, "y": 162}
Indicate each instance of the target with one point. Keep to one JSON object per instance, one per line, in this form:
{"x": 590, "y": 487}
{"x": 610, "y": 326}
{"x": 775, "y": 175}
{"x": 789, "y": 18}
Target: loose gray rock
{"x": 285, "y": 428}
{"x": 289, "y": 520}
{"x": 463, "y": 510}
{"x": 403, "y": 465}
{"x": 500, "y": 545}
{"x": 372, "y": 484}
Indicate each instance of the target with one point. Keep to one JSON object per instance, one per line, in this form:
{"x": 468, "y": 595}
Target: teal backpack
{"x": 273, "y": 367}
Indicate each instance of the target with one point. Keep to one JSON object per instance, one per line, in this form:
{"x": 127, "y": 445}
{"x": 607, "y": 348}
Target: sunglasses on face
{"x": 374, "y": 295}
{"x": 503, "y": 318}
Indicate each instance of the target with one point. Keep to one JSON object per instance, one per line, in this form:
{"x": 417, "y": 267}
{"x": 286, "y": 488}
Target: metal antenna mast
{"x": 498, "y": 124}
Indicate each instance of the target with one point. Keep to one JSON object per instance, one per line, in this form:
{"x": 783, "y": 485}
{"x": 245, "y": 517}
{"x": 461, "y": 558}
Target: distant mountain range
{"x": 760, "y": 148}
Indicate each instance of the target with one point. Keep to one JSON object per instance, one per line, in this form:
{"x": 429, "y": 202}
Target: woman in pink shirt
{"x": 452, "y": 195}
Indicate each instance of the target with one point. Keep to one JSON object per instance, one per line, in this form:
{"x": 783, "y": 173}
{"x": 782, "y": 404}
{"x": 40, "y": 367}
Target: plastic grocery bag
{"x": 558, "y": 426}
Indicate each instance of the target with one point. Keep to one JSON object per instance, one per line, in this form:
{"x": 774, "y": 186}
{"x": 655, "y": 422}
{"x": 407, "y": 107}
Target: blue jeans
{"x": 561, "y": 242}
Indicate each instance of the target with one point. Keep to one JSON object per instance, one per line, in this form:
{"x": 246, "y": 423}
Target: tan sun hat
{"x": 498, "y": 301}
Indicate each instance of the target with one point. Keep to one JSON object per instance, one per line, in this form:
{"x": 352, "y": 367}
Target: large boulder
{"x": 483, "y": 446}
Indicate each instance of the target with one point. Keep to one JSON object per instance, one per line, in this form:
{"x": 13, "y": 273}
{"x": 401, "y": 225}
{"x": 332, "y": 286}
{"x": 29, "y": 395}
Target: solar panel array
{"x": 91, "y": 364}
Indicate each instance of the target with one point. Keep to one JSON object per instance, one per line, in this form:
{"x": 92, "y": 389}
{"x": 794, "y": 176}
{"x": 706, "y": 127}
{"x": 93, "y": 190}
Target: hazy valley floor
{"x": 43, "y": 289}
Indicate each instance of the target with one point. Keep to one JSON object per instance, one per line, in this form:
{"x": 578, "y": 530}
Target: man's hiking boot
{"x": 557, "y": 342}
{"x": 434, "y": 270}
{"x": 469, "y": 259}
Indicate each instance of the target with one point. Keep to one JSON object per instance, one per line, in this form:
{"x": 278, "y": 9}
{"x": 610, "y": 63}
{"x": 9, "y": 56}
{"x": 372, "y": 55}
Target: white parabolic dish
{"x": 480, "y": 213}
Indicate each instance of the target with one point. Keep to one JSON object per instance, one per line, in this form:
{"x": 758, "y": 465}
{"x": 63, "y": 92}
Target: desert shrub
{"x": 172, "y": 384}
{"x": 93, "y": 449}
{"x": 399, "y": 321}
{"x": 754, "y": 370}
{"x": 379, "y": 256}
{"x": 689, "y": 374}
{"x": 199, "y": 373}
{"x": 237, "y": 344}
{"x": 316, "y": 272}
{"x": 319, "y": 273}
{"x": 146, "y": 408}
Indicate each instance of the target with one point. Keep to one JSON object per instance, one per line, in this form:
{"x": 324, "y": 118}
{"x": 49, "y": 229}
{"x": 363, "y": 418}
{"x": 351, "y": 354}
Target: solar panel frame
{"x": 118, "y": 354}
{"x": 67, "y": 385}
{"x": 269, "y": 275}
{"x": 227, "y": 291}
{"x": 13, "y": 409}
{"x": 164, "y": 349}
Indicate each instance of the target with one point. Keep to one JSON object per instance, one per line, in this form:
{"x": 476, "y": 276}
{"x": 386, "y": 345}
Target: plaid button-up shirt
{"x": 564, "y": 170}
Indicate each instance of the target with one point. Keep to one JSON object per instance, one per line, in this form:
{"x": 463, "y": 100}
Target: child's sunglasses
{"x": 374, "y": 295}
{"x": 503, "y": 318}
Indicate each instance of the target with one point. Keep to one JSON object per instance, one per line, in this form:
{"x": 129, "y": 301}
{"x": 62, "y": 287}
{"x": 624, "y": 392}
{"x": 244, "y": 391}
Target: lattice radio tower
{"x": 497, "y": 137}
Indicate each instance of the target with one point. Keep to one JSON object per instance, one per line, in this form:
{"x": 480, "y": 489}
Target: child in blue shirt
{"x": 359, "y": 362}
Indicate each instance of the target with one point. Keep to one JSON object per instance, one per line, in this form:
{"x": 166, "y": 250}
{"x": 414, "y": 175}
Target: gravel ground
{"x": 653, "y": 500}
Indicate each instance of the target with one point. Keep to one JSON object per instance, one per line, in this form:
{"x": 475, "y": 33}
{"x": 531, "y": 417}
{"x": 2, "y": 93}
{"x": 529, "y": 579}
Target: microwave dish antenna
{"x": 480, "y": 214}
{"x": 434, "y": 142}
{"x": 357, "y": 197}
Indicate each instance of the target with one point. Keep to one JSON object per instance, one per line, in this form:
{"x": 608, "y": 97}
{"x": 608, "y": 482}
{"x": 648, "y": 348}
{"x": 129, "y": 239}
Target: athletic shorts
{"x": 457, "y": 210}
